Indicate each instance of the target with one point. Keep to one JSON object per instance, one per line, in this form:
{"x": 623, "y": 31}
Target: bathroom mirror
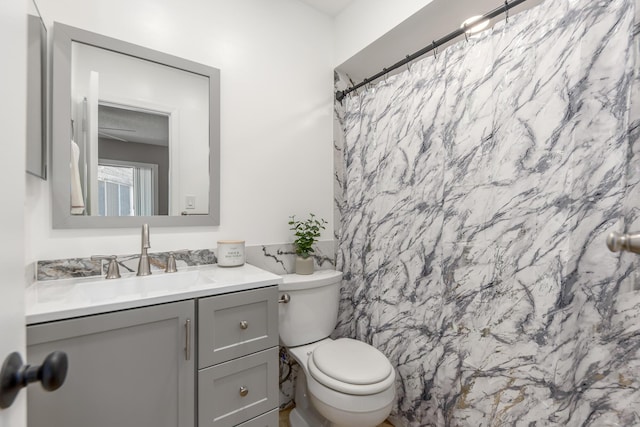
{"x": 36, "y": 151}
{"x": 135, "y": 135}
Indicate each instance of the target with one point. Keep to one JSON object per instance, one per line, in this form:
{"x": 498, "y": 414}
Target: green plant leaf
{"x": 307, "y": 232}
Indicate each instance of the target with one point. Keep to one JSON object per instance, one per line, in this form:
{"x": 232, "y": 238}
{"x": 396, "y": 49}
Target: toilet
{"x": 341, "y": 382}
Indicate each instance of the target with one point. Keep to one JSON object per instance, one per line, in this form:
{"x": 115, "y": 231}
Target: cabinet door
{"x": 128, "y": 368}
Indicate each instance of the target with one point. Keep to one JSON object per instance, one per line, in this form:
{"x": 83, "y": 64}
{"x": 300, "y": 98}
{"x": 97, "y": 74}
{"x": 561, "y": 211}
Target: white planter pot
{"x": 304, "y": 265}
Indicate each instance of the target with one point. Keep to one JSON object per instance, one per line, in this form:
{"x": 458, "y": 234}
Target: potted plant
{"x": 307, "y": 233}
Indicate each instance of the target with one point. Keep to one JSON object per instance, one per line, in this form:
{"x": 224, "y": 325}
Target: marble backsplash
{"x": 275, "y": 258}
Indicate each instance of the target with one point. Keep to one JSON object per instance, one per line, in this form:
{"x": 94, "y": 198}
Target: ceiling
{"x": 432, "y": 22}
{"x": 127, "y": 125}
{"x": 329, "y": 7}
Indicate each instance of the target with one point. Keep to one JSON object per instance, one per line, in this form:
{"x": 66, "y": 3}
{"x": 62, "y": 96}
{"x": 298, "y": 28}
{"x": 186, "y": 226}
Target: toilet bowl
{"x": 342, "y": 382}
{"x": 348, "y": 382}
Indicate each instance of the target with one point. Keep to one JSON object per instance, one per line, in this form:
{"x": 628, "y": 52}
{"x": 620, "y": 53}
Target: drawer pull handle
{"x": 244, "y": 391}
{"x": 284, "y": 299}
{"x": 244, "y": 324}
{"x": 187, "y": 344}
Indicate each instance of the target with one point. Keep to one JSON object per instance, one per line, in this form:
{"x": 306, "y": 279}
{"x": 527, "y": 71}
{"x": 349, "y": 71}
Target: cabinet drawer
{"x": 270, "y": 419}
{"x": 236, "y": 391}
{"x": 235, "y": 325}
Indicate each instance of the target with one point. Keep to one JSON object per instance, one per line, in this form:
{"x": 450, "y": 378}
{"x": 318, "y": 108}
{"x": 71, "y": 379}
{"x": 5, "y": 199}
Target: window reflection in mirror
{"x": 127, "y": 189}
{"x": 133, "y": 145}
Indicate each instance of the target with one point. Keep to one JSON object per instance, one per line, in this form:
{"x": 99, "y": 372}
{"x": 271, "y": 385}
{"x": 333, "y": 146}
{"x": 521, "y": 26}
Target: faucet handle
{"x": 171, "y": 261}
{"x": 113, "y": 270}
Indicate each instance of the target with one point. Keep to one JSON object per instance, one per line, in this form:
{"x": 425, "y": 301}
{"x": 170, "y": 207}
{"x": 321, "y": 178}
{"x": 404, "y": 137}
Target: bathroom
{"x": 566, "y": 355}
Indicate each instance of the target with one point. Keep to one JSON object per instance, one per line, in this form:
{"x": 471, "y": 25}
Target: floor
{"x": 284, "y": 419}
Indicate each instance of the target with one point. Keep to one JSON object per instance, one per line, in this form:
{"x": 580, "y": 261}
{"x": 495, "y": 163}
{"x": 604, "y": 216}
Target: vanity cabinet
{"x": 127, "y": 368}
{"x": 238, "y": 359}
{"x": 211, "y": 361}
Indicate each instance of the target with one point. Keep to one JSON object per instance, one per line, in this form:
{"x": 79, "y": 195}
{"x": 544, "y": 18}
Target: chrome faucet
{"x": 143, "y": 265}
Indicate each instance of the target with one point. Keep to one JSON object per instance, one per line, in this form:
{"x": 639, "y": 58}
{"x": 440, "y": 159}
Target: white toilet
{"x": 342, "y": 382}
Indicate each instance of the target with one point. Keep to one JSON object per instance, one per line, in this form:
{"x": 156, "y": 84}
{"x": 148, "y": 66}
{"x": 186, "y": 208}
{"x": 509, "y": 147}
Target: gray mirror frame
{"x": 63, "y": 36}
{"x": 36, "y": 152}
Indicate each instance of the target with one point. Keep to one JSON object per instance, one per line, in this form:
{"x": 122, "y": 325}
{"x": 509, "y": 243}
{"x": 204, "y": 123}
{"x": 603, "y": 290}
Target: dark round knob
{"x": 14, "y": 375}
{"x": 53, "y": 371}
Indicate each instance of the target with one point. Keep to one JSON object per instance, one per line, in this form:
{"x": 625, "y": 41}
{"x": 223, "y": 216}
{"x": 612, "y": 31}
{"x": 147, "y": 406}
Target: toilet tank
{"x": 312, "y": 311}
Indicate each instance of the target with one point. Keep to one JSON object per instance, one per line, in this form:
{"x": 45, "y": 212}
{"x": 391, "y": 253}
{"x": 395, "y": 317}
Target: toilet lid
{"x": 351, "y": 366}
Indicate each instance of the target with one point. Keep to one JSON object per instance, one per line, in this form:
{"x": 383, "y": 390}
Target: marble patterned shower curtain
{"x": 476, "y": 193}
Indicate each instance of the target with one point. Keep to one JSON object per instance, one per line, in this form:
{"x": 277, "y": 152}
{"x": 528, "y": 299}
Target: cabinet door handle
{"x": 244, "y": 391}
{"x": 244, "y": 324}
{"x": 187, "y": 348}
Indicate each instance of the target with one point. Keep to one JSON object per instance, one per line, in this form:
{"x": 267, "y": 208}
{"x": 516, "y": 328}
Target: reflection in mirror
{"x": 133, "y": 162}
{"x": 141, "y": 138}
{"x": 136, "y": 103}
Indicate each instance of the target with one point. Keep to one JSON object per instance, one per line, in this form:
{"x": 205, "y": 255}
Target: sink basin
{"x": 159, "y": 283}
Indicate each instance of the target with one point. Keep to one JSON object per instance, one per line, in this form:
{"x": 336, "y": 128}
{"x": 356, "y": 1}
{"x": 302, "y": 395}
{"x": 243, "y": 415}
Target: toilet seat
{"x": 351, "y": 367}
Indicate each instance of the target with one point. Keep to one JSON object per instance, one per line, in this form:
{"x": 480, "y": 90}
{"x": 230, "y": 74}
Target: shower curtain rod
{"x": 436, "y": 43}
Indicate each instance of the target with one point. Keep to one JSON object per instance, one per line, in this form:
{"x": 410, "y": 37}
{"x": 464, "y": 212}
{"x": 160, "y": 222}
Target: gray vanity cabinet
{"x": 238, "y": 359}
{"x": 139, "y": 367}
{"x": 128, "y": 368}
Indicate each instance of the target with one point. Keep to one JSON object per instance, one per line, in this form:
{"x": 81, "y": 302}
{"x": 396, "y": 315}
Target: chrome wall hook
{"x": 617, "y": 242}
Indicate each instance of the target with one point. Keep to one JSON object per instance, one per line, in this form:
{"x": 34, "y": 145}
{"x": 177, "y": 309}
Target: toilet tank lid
{"x": 319, "y": 278}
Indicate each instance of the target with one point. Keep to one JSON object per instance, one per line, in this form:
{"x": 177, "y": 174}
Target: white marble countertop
{"x": 63, "y": 299}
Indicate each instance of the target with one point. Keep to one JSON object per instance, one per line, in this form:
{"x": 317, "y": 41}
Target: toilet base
{"x": 297, "y": 420}
{"x": 350, "y": 419}
{"x": 305, "y": 415}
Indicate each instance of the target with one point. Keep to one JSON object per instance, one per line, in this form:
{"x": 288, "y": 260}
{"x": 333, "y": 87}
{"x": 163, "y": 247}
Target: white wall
{"x": 364, "y": 21}
{"x": 276, "y": 68}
